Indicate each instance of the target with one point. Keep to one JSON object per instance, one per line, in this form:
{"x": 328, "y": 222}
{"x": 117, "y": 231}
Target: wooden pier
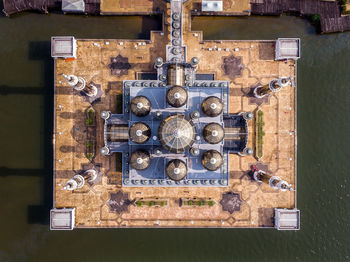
{"x": 92, "y": 7}
{"x": 15, "y": 6}
{"x": 331, "y": 19}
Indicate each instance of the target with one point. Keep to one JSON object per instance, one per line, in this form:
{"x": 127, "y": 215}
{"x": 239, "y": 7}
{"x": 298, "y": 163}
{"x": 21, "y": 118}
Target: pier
{"x": 330, "y": 16}
{"x": 331, "y": 19}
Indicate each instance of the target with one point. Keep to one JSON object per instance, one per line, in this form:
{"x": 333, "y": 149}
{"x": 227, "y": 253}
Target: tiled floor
{"x": 233, "y": 7}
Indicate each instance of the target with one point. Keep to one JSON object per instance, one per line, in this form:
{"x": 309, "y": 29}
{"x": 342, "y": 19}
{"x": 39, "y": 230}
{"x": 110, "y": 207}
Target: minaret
{"x": 79, "y": 84}
{"x": 78, "y": 181}
{"x": 274, "y": 86}
{"x": 90, "y": 175}
{"x": 275, "y": 182}
{"x": 90, "y": 90}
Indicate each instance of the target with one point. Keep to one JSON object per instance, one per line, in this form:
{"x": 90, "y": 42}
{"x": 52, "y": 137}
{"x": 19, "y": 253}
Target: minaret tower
{"x": 275, "y": 182}
{"x": 274, "y": 86}
{"x": 79, "y": 84}
{"x": 78, "y": 181}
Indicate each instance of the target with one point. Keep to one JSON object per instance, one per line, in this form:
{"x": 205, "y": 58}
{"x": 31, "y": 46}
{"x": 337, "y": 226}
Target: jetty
{"x": 328, "y": 12}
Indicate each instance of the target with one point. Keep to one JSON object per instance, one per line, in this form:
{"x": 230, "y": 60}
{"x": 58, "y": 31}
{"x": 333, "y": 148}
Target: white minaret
{"x": 79, "y": 84}
{"x": 90, "y": 90}
{"x": 90, "y": 175}
{"x": 275, "y": 182}
{"x": 76, "y": 182}
{"x": 274, "y": 86}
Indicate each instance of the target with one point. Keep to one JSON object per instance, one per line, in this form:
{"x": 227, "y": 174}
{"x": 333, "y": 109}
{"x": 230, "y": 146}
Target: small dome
{"x": 248, "y": 115}
{"x": 212, "y": 160}
{"x": 176, "y": 169}
{"x": 212, "y": 106}
{"x": 248, "y": 151}
{"x": 140, "y": 106}
{"x": 105, "y": 114}
{"x": 140, "y": 160}
{"x": 195, "y": 114}
{"x": 213, "y": 133}
{"x": 194, "y": 151}
{"x": 176, "y": 133}
{"x": 104, "y": 151}
{"x": 176, "y": 96}
{"x": 139, "y": 133}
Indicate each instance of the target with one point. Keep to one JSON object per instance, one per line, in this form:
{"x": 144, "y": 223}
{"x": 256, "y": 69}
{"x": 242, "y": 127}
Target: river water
{"x": 26, "y": 75}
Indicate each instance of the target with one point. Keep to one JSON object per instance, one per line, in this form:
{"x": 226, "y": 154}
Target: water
{"x": 25, "y": 159}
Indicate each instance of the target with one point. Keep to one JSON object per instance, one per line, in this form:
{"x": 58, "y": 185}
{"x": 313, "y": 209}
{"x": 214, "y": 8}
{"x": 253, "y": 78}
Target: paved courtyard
{"x": 105, "y": 203}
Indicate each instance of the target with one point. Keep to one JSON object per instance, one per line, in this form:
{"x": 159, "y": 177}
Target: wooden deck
{"x": 15, "y": 6}
{"x": 338, "y": 24}
{"x": 329, "y": 11}
{"x": 303, "y": 7}
{"x": 11, "y": 7}
{"x": 331, "y": 19}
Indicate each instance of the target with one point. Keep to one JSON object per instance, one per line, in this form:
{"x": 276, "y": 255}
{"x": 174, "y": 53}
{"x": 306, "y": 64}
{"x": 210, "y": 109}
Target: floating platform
{"x": 96, "y": 79}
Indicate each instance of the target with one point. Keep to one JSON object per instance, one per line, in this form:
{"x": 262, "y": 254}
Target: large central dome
{"x": 176, "y": 133}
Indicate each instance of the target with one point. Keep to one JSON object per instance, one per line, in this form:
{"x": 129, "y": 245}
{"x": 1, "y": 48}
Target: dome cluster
{"x": 177, "y": 132}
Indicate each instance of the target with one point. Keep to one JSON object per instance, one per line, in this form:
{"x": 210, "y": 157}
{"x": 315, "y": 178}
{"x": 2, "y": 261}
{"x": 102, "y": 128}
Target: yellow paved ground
{"x": 258, "y": 66}
{"x": 233, "y": 7}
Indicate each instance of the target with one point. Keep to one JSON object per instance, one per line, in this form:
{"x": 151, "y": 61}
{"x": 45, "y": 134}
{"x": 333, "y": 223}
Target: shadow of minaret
{"x": 5, "y": 171}
{"x": 19, "y": 90}
{"x": 2, "y": 14}
{"x": 39, "y": 214}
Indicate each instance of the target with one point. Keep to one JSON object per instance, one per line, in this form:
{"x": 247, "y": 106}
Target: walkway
{"x": 15, "y": 6}
{"x": 331, "y": 19}
{"x": 329, "y": 11}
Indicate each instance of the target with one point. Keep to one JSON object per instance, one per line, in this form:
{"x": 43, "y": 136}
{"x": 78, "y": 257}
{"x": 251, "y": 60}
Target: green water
{"x": 25, "y": 153}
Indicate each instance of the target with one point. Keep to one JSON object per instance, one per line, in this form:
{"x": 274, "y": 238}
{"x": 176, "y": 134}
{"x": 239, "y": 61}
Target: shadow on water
{"x": 5, "y": 171}
{"x": 152, "y": 22}
{"x": 8, "y": 90}
{"x": 252, "y": 27}
{"x": 2, "y": 8}
{"x": 40, "y": 213}
{"x": 40, "y": 52}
